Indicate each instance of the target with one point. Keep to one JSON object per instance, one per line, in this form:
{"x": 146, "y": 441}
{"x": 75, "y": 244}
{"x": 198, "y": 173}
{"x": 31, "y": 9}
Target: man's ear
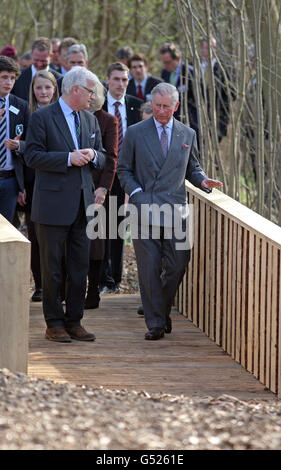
{"x": 177, "y": 105}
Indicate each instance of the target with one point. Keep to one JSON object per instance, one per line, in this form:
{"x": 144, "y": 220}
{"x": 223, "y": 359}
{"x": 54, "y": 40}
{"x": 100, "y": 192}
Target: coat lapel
{"x": 62, "y": 125}
{"x": 152, "y": 142}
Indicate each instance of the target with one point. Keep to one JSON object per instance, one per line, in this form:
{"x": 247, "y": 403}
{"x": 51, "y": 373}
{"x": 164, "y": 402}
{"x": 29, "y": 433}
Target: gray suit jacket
{"x": 141, "y": 164}
{"x": 57, "y": 190}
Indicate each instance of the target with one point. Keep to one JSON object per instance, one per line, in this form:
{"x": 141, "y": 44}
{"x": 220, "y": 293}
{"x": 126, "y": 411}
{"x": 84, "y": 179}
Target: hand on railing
{"x": 209, "y": 184}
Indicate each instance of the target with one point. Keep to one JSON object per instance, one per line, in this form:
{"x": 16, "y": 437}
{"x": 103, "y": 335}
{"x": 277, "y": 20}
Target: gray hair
{"x": 75, "y": 49}
{"x": 77, "y": 76}
{"x": 99, "y": 97}
{"x": 164, "y": 89}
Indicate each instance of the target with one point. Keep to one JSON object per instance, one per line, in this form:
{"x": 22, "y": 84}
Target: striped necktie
{"x": 77, "y": 127}
{"x": 164, "y": 141}
{"x": 3, "y": 124}
{"x": 120, "y": 125}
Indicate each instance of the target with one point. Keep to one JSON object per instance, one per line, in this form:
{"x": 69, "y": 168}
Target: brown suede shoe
{"x": 57, "y": 333}
{"x": 79, "y": 333}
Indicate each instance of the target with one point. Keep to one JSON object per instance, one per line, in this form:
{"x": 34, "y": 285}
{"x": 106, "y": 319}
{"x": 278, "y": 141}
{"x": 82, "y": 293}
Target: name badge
{"x": 14, "y": 110}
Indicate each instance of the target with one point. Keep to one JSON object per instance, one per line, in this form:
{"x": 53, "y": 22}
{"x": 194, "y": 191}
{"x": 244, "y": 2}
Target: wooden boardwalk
{"x": 186, "y": 362}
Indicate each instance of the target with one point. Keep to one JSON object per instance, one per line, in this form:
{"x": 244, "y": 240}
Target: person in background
{"x": 77, "y": 55}
{"x": 63, "y": 48}
{"x": 41, "y": 53}
{"x": 103, "y": 180}
{"x": 55, "y": 64}
{"x": 43, "y": 91}
{"x": 14, "y": 117}
{"x": 123, "y": 55}
{"x": 10, "y": 51}
{"x": 142, "y": 82}
{"x": 25, "y": 60}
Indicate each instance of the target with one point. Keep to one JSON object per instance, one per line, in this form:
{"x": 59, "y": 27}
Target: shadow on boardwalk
{"x": 186, "y": 362}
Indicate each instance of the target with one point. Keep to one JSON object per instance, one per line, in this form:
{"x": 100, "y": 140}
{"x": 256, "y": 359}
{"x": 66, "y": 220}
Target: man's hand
{"x": 209, "y": 184}
{"x": 22, "y": 198}
{"x": 12, "y": 144}
{"x": 99, "y": 196}
{"x": 80, "y": 157}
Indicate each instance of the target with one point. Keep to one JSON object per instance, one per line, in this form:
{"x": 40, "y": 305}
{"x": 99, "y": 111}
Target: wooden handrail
{"x": 232, "y": 286}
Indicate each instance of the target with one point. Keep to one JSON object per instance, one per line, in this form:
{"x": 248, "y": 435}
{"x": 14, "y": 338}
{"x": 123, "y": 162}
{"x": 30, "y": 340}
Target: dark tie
{"x": 3, "y": 122}
{"x": 120, "y": 125}
{"x": 77, "y": 127}
{"x": 140, "y": 95}
{"x": 164, "y": 141}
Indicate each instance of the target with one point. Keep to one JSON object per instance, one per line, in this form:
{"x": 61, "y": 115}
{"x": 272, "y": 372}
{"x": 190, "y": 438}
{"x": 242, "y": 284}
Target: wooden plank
{"x": 219, "y": 278}
{"x": 244, "y": 288}
{"x": 202, "y": 259}
{"x": 234, "y": 290}
{"x": 268, "y": 316}
{"x": 257, "y": 306}
{"x": 238, "y": 292}
{"x": 250, "y": 296}
{"x": 195, "y": 280}
{"x": 207, "y": 270}
{"x": 189, "y": 279}
{"x": 229, "y": 289}
{"x": 263, "y": 290}
{"x": 213, "y": 280}
{"x": 224, "y": 282}
{"x": 279, "y": 325}
{"x": 274, "y": 322}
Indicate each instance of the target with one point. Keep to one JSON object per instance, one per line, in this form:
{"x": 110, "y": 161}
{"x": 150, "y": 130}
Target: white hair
{"x": 77, "y": 76}
{"x": 75, "y": 49}
{"x": 165, "y": 89}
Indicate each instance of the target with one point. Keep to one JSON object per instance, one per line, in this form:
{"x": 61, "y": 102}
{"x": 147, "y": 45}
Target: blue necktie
{"x": 3, "y": 124}
{"x": 77, "y": 127}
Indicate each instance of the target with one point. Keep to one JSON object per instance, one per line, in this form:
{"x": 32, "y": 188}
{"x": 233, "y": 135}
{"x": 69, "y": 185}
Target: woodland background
{"x": 248, "y": 34}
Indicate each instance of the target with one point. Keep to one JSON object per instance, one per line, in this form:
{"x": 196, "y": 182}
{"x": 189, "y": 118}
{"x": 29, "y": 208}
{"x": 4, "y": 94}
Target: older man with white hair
{"x": 63, "y": 145}
{"x": 157, "y": 155}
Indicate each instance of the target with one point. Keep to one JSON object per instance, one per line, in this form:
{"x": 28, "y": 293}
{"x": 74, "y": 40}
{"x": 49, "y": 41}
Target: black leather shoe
{"x": 140, "y": 310}
{"x": 37, "y": 296}
{"x": 168, "y": 326}
{"x": 154, "y": 334}
{"x": 92, "y": 302}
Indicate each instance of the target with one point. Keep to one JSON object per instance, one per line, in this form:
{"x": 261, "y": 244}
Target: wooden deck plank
{"x": 185, "y": 362}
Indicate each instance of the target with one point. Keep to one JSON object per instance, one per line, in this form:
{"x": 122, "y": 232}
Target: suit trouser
{"x": 160, "y": 269}
{"x": 8, "y": 197}
{"x": 55, "y": 241}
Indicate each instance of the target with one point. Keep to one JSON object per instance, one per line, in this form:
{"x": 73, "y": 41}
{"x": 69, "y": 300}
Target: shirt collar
{"x": 169, "y": 125}
{"x": 111, "y": 100}
{"x": 65, "y": 108}
{"x": 142, "y": 83}
{"x": 34, "y": 70}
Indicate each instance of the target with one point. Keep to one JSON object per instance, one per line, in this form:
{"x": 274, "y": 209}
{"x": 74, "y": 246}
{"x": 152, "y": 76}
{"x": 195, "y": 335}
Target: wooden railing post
{"x": 14, "y": 297}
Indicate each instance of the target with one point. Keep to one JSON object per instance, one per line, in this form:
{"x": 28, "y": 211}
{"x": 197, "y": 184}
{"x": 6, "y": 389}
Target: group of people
{"x": 69, "y": 140}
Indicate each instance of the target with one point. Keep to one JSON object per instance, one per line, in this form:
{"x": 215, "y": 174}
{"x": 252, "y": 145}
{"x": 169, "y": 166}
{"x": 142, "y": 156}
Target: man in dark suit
{"x": 63, "y": 145}
{"x": 14, "y": 114}
{"x": 127, "y": 110}
{"x": 178, "y": 74}
{"x": 157, "y": 155}
{"x": 141, "y": 82}
{"x": 41, "y": 53}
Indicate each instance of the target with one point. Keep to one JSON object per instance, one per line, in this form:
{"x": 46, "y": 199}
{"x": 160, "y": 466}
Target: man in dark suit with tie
{"x": 157, "y": 155}
{"x": 127, "y": 110}
{"x": 14, "y": 115}
{"x": 177, "y": 73}
{"x": 64, "y": 145}
{"x": 141, "y": 82}
{"x": 41, "y": 53}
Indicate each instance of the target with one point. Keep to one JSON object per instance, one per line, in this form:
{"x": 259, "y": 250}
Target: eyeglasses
{"x": 91, "y": 92}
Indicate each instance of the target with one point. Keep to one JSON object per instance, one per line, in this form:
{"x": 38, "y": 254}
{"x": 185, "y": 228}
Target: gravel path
{"x": 37, "y": 414}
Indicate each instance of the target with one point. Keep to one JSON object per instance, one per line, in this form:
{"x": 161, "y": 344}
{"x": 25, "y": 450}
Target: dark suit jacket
{"x": 151, "y": 82}
{"x": 109, "y": 133}
{"x": 133, "y": 105}
{"x": 21, "y": 118}
{"x": 22, "y": 84}
{"x": 187, "y": 86}
{"x": 57, "y": 190}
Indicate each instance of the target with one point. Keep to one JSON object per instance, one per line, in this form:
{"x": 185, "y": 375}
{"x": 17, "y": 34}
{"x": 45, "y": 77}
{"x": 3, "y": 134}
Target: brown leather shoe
{"x": 57, "y": 333}
{"x": 79, "y": 333}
